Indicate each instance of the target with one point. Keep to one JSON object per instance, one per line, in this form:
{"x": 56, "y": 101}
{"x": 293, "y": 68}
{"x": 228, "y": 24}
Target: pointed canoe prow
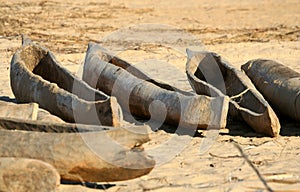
{"x": 26, "y": 40}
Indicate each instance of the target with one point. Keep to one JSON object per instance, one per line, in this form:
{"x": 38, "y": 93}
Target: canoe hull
{"x": 37, "y": 77}
{"x": 210, "y": 75}
{"x": 144, "y": 98}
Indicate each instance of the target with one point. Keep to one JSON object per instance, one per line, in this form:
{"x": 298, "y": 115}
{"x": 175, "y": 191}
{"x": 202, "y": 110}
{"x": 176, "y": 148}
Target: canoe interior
{"x": 112, "y": 59}
{"x": 44, "y": 64}
{"x": 206, "y": 67}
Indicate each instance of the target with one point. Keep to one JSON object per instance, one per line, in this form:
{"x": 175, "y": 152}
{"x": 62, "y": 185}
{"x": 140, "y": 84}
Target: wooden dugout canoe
{"x": 279, "y": 84}
{"x": 36, "y": 76}
{"x": 136, "y": 92}
{"x": 98, "y": 154}
{"x": 210, "y": 75}
{"x": 67, "y": 146}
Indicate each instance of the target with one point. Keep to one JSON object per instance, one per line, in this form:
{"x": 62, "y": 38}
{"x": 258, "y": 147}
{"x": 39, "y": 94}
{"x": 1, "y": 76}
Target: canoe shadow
{"x": 8, "y": 99}
{"x": 289, "y": 127}
{"x": 89, "y": 184}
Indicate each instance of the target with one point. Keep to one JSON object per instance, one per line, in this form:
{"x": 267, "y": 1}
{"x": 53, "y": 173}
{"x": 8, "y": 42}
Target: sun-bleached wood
{"x": 36, "y": 76}
{"x": 96, "y": 156}
{"x": 147, "y": 98}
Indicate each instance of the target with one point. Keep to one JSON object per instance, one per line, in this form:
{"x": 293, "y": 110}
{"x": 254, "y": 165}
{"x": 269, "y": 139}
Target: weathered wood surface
{"x": 36, "y": 76}
{"x": 104, "y": 55}
{"x": 145, "y": 98}
{"x": 210, "y": 75}
{"x": 279, "y": 84}
{"x": 27, "y": 175}
{"x": 97, "y": 156}
{"x": 21, "y": 111}
{"x": 26, "y": 111}
{"x": 51, "y": 127}
{"x": 45, "y": 116}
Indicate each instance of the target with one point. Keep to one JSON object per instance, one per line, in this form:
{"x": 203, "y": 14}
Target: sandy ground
{"x": 159, "y": 31}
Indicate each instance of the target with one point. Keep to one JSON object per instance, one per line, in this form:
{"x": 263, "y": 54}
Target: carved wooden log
{"x": 137, "y": 92}
{"x": 209, "y": 74}
{"x": 97, "y": 156}
{"x": 36, "y": 76}
{"x": 27, "y": 175}
{"x": 279, "y": 84}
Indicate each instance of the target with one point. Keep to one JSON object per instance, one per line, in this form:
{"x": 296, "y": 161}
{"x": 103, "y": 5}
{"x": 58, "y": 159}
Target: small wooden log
{"x": 21, "y": 111}
{"x": 36, "y": 76}
{"x": 27, "y": 175}
{"x": 279, "y": 84}
{"x": 136, "y": 93}
{"x": 211, "y": 75}
{"x": 26, "y": 111}
{"x": 98, "y": 156}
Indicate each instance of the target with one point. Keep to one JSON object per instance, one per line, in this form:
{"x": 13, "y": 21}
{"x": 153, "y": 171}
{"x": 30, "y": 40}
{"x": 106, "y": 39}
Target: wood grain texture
{"x": 147, "y": 99}
{"x": 279, "y": 84}
{"x": 36, "y": 76}
{"x": 211, "y": 75}
{"x": 97, "y": 156}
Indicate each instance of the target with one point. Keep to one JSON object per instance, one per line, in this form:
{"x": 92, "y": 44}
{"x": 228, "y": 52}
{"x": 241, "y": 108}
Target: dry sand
{"x": 239, "y": 30}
